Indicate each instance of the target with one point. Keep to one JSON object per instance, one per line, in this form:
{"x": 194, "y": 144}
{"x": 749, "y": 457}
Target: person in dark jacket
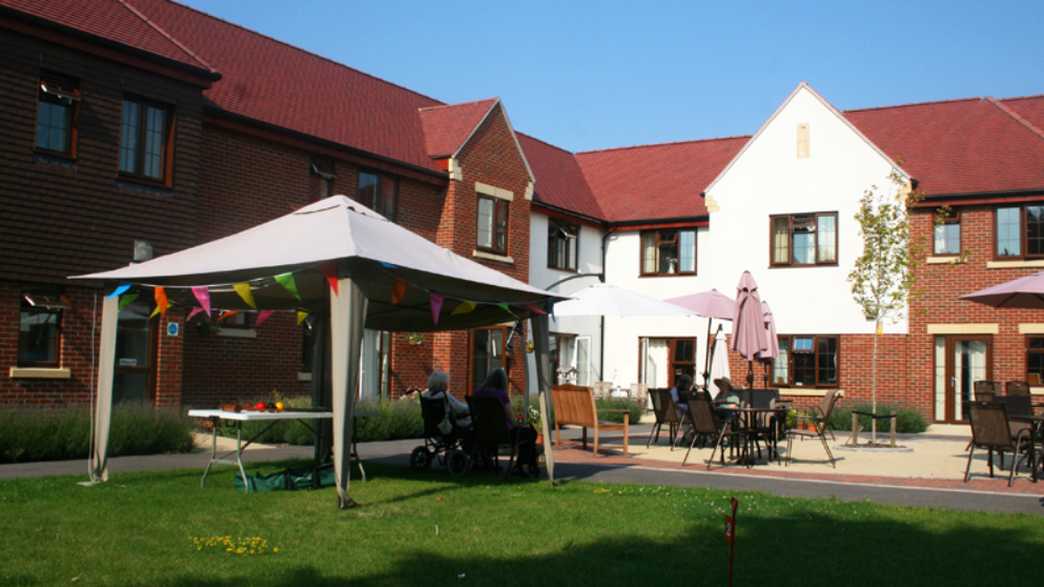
{"x": 495, "y": 386}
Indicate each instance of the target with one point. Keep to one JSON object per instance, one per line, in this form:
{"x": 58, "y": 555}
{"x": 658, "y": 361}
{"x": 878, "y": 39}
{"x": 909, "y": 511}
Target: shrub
{"x": 906, "y": 421}
{"x": 50, "y": 435}
{"x": 604, "y": 405}
{"x": 379, "y": 420}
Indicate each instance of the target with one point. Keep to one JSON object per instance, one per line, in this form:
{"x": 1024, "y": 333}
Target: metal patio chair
{"x": 992, "y": 430}
{"x": 820, "y": 420}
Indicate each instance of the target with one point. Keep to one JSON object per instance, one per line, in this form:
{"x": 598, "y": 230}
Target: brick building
{"x": 132, "y": 126}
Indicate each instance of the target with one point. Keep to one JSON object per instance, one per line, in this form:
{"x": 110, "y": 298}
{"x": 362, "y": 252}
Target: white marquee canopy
{"x": 387, "y": 277}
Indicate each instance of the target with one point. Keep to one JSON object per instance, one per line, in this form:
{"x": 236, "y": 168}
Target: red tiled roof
{"x": 958, "y": 146}
{"x": 447, "y": 127}
{"x": 1030, "y": 108}
{"x": 113, "y": 20}
{"x": 560, "y": 181}
{"x": 655, "y": 182}
{"x": 270, "y": 81}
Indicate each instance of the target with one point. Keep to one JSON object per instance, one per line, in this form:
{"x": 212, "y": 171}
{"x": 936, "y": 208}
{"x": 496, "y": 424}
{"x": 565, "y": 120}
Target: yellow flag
{"x": 243, "y": 289}
{"x": 463, "y": 308}
{"x": 301, "y": 315}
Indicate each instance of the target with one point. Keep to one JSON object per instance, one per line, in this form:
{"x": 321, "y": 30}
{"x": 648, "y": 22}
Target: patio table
{"x": 273, "y": 418}
{"x": 748, "y": 428}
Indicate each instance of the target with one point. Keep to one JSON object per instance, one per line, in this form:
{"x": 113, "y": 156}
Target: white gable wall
{"x": 768, "y": 178}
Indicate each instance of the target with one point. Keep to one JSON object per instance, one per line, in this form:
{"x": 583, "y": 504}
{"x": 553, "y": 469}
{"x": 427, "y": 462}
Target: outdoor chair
{"x": 992, "y": 430}
{"x": 1017, "y": 388}
{"x": 766, "y": 425}
{"x": 986, "y": 390}
{"x": 666, "y": 413}
{"x": 705, "y": 422}
{"x": 492, "y": 432}
{"x": 445, "y": 447}
{"x": 820, "y": 420}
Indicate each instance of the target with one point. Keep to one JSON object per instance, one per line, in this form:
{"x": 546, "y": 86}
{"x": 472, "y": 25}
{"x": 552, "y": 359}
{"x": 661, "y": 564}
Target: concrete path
{"x": 983, "y": 494}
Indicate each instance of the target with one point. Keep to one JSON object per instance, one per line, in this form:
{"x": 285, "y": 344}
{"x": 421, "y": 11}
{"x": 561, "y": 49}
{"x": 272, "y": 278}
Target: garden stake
{"x": 730, "y": 535}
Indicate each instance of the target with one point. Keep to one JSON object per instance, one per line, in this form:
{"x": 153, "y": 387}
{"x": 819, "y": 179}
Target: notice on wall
{"x": 173, "y": 329}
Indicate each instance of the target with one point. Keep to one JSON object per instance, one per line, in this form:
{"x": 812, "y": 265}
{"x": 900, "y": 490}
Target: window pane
{"x": 38, "y": 335}
{"x": 781, "y": 240}
{"x": 1035, "y": 361}
{"x": 804, "y": 369}
{"x": 649, "y": 252}
{"x": 826, "y": 360}
{"x": 803, "y": 344}
{"x": 1035, "y": 230}
{"x": 500, "y": 209}
{"x": 804, "y": 239}
{"x": 668, "y": 252}
{"x": 1009, "y": 241}
{"x": 947, "y": 238}
{"x": 684, "y": 351}
{"x": 826, "y": 226}
{"x": 781, "y": 364}
{"x": 129, "y": 137}
{"x": 485, "y": 223}
{"x": 687, "y": 251}
{"x": 155, "y": 141}
{"x": 52, "y": 125}
{"x": 366, "y": 190}
{"x": 386, "y": 203}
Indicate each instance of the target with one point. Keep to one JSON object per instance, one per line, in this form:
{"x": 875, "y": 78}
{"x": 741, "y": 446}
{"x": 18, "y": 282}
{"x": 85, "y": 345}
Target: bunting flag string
{"x": 330, "y": 273}
{"x": 435, "y": 300}
{"x": 203, "y": 297}
{"x": 301, "y": 316}
{"x": 398, "y": 290}
{"x": 226, "y": 314}
{"x": 289, "y": 284}
{"x": 507, "y": 309}
{"x": 536, "y": 309}
{"x": 262, "y": 317}
{"x": 193, "y": 312}
{"x": 127, "y": 300}
{"x": 119, "y": 291}
{"x": 243, "y": 289}
{"x": 162, "y": 303}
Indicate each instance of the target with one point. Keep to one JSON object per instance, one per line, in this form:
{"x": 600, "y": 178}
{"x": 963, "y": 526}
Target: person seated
{"x": 681, "y": 392}
{"x": 495, "y": 386}
{"x": 458, "y": 412}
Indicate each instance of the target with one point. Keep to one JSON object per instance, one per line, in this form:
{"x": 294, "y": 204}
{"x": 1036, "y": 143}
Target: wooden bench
{"x": 574, "y": 405}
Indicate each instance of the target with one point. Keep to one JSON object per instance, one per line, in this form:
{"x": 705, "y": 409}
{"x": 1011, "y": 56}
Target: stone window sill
{"x": 492, "y": 257}
{"x": 943, "y": 261}
{"x": 304, "y": 376}
{"x": 40, "y": 373}
{"x": 238, "y": 332}
{"x": 1019, "y": 264}
{"x": 807, "y": 391}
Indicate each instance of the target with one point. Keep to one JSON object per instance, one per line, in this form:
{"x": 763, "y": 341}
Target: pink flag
{"x": 536, "y": 309}
{"x": 203, "y": 297}
{"x": 436, "y": 306}
{"x": 193, "y": 312}
{"x": 261, "y": 317}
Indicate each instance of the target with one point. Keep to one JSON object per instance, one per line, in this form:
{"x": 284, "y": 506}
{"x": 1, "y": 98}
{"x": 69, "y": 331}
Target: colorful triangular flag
{"x": 289, "y": 283}
{"x": 398, "y": 291}
{"x": 162, "y": 303}
{"x": 127, "y": 300}
{"x": 506, "y": 308}
{"x": 243, "y": 289}
{"x": 262, "y": 316}
{"x": 193, "y": 312}
{"x": 330, "y": 272}
{"x": 301, "y": 316}
{"x": 203, "y": 297}
{"x": 226, "y": 314}
{"x": 436, "y": 306}
{"x": 463, "y": 308}
{"x": 536, "y": 309}
{"x": 120, "y": 289}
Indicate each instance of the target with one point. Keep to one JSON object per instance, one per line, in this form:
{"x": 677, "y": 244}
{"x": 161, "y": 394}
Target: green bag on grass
{"x": 287, "y": 479}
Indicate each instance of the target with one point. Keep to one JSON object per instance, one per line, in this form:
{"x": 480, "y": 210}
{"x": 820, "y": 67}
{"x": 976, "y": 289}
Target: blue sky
{"x": 588, "y": 75}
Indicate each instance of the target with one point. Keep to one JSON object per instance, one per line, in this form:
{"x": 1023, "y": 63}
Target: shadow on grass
{"x": 806, "y": 548}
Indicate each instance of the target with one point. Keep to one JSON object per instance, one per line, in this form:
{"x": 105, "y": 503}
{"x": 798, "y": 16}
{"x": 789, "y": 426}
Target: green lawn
{"x": 428, "y": 529}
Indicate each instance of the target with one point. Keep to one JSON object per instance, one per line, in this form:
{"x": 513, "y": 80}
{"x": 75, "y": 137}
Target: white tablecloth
{"x": 257, "y": 416}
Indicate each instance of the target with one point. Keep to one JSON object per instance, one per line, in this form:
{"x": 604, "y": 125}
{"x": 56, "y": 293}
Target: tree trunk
{"x": 873, "y": 383}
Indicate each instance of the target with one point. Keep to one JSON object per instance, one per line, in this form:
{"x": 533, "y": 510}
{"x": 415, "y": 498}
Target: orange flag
{"x": 162, "y": 303}
{"x": 398, "y": 291}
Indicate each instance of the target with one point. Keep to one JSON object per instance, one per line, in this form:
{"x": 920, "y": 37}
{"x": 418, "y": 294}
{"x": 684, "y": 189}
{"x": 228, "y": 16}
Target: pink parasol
{"x": 710, "y": 304}
{"x": 749, "y": 336}
{"x": 1024, "y": 292}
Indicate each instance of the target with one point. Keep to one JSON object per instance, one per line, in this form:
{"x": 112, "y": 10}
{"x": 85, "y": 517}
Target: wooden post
{"x": 891, "y": 432}
{"x": 853, "y": 438}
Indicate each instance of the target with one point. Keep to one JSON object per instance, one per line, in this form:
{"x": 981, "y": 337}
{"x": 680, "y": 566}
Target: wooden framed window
{"x": 1019, "y": 232}
{"x": 323, "y": 170}
{"x": 57, "y": 111}
{"x": 797, "y": 240}
{"x": 146, "y": 140}
{"x": 662, "y": 360}
{"x": 946, "y": 233}
{"x": 39, "y": 329}
{"x": 491, "y": 227}
{"x": 668, "y": 252}
{"x": 563, "y": 245}
{"x": 380, "y": 192}
{"x": 1035, "y": 360}
{"x": 807, "y": 361}
{"x": 487, "y": 351}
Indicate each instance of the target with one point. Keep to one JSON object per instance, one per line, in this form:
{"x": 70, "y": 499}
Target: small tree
{"x": 883, "y": 276}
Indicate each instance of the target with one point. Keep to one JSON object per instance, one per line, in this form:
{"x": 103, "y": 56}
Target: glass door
{"x": 960, "y": 361}
{"x": 135, "y": 343}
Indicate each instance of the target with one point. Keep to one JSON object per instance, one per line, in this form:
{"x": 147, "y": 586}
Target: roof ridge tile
{"x": 458, "y": 104}
{"x": 912, "y": 104}
{"x": 664, "y": 144}
{"x": 184, "y": 48}
{"x": 1014, "y": 115}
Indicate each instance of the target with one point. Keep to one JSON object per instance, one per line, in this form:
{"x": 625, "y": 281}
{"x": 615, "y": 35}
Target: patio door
{"x": 960, "y": 361}
{"x": 663, "y": 359}
{"x": 133, "y": 379}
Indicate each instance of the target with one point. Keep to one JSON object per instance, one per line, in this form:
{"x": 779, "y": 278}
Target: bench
{"x": 857, "y": 425}
{"x": 574, "y": 405}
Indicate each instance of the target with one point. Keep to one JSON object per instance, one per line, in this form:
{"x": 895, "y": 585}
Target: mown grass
{"x": 430, "y": 529}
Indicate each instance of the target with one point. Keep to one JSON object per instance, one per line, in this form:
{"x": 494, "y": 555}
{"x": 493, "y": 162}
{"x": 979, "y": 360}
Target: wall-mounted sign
{"x": 173, "y": 329}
